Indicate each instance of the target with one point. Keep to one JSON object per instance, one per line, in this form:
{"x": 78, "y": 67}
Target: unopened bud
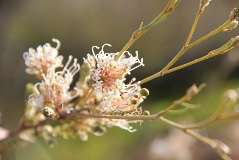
{"x": 220, "y": 146}
{"x": 98, "y": 96}
{"x": 48, "y": 112}
{"x": 231, "y": 26}
{"x": 133, "y": 100}
{"x": 231, "y": 95}
{"x": 144, "y": 92}
{"x": 235, "y": 42}
{"x": 146, "y": 113}
{"x": 203, "y": 4}
{"x": 192, "y": 91}
{"x": 30, "y": 88}
{"x": 234, "y": 13}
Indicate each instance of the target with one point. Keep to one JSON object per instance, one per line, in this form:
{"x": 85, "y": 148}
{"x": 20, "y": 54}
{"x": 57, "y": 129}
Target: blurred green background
{"x": 81, "y": 24}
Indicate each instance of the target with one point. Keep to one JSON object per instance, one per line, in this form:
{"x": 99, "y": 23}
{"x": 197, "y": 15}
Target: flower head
{"x": 112, "y": 96}
{"x": 38, "y": 61}
{"x": 56, "y": 84}
{"x": 108, "y": 74}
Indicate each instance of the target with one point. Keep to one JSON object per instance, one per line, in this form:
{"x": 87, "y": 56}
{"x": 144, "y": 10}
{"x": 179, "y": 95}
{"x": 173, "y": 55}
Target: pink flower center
{"x": 110, "y": 74}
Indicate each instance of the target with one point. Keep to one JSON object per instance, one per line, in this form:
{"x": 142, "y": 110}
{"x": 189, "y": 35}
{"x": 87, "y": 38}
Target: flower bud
{"x": 144, "y": 92}
{"x": 231, "y": 95}
{"x": 221, "y": 147}
{"x": 146, "y": 113}
{"x": 30, "y": 88}
{"x": 235, "y": 42}
{"x": 231, "y": 26}
{"x": 234, "y": 13}
{"x": 204, "y": 3}
{"x": 133, "y": 100}
{"x": 192, "y": 91}
{"x": 98, "y": 96}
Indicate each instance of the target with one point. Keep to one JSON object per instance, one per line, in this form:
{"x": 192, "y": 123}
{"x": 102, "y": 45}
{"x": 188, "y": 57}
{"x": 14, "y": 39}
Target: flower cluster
{"x": 107, "y": 73}
{"x": 111, "y": 95}
{"x": 38, "y": 61}
{"x": 56, "y": 85}
{"x": 101, "y": 90}
{"x": 107, "y": 78}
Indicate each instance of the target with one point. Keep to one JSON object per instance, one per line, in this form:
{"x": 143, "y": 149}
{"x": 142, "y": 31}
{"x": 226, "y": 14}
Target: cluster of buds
{"x": 233, "y": 19}
{"x": 101, "y": 90}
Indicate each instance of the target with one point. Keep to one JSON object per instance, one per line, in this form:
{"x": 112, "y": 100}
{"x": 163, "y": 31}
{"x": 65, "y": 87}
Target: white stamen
{"x": 58, "y": 43}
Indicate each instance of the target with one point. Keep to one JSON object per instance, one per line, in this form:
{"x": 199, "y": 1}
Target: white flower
{"x": 38, "y": 61}
{"x": 123, "y": 104}
{"x": 112, "y": 94}
{"x": 56, "y": 84}
{"x": 108, "y": 74}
